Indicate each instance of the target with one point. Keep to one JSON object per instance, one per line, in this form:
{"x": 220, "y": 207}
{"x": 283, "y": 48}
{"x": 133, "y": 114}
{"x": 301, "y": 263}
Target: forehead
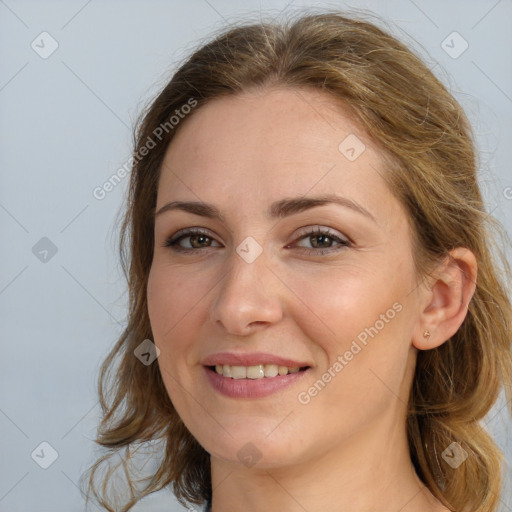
{"x": 272, "y": 143}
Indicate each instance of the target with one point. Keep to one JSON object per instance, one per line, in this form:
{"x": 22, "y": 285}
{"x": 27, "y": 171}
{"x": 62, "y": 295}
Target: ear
{"x": 446, "y": 299}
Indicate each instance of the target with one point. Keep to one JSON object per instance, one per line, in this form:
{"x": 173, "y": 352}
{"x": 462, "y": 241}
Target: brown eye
{"x": 323, "y": 241}
{"x": 197, "y": 239}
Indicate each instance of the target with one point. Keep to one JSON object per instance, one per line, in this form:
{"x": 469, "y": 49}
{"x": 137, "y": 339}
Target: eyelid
{"x": 318, "y": 229}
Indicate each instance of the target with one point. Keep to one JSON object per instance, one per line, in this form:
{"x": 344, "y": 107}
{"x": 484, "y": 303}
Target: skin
{"x": 346, "y": 448}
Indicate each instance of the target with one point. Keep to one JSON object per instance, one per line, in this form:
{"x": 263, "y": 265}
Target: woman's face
{"x": 274, "y": 281}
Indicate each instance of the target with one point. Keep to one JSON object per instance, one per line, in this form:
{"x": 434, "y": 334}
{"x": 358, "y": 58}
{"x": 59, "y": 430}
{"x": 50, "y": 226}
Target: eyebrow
{"x": 277, "y": 210}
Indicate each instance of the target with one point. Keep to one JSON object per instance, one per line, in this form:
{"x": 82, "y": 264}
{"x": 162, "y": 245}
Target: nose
{"x": 249, "y": 296}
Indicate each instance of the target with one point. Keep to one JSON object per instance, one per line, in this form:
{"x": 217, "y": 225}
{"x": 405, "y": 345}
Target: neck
{"x": 370, "y": 471}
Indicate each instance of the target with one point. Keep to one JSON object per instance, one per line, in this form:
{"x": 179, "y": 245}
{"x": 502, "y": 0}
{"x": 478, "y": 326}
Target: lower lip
{"x": 251, "y": 388}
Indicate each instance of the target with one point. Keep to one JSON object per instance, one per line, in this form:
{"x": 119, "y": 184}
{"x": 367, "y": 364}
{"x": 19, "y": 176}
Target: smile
{"x": 254, "y": 372}
{"x": 255, "y": 381}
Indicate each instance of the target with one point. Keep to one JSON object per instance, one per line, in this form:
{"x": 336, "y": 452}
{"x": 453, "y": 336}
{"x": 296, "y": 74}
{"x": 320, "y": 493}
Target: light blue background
{"x": 65, "y": 128}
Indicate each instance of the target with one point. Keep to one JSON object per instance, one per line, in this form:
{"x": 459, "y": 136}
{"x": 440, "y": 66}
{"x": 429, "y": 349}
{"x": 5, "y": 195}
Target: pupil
{"x": 199, "y": 238}
{"x": 322, "y": 237}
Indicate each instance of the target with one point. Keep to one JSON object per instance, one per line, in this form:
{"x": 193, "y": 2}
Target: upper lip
{"x": 250, "y": 359}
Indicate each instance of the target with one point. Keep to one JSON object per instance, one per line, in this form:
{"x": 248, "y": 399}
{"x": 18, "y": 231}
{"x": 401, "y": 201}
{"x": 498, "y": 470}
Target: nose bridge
{"x": 248, "y": 292}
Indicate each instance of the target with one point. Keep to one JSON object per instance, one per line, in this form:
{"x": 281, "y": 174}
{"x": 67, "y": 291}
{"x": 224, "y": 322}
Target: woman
{"x": 317, "y": 320}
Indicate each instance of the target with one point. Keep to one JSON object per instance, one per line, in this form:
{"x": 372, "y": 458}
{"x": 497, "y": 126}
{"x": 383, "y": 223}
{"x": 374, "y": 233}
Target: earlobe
{"x": 424, "y": 340}
{"x": 446, "y": 299}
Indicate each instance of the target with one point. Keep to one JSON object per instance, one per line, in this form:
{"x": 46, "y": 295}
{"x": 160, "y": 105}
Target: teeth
{"x": 271, "y": 370}
{"x": 239, "y": 372}
{"x": 254, "y": 372}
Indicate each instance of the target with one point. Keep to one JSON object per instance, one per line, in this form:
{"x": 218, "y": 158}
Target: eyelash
{"x": 173, "y": 241}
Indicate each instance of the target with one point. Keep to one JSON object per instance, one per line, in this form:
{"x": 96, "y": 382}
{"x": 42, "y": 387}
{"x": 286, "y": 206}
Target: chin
{"x": 254, "y": 455}
{"x": 258, "y": 448}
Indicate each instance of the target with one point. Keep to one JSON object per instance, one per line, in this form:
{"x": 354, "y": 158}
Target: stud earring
{"x": 426, "y": 334}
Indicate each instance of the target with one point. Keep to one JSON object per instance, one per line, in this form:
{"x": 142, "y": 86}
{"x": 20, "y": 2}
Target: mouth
{"x": 253, "y": 382}
{"x": 255, "y": 372}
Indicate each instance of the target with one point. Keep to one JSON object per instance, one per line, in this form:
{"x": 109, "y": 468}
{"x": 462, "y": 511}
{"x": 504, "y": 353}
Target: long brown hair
{"x": 428, "y": 143}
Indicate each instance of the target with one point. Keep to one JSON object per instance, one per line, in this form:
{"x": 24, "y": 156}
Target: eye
{"x": 197, "y": 238}
{"x": 322, "y": 240}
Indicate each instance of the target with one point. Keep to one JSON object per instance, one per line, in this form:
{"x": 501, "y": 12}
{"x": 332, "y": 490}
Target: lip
{"x": 251, "y": 388}
{"x": 251, "y": 359}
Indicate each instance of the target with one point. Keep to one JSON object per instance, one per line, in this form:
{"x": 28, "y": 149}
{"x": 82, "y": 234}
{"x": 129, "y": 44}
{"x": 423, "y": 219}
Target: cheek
{"x": 336, "y": 305}
{"x": 171, "y": 296}
{"x": 171, "y": 299}
{"x": 170, "y": 304}
{"x": 160, "y": 302}
{"x": 360, "y": 323}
